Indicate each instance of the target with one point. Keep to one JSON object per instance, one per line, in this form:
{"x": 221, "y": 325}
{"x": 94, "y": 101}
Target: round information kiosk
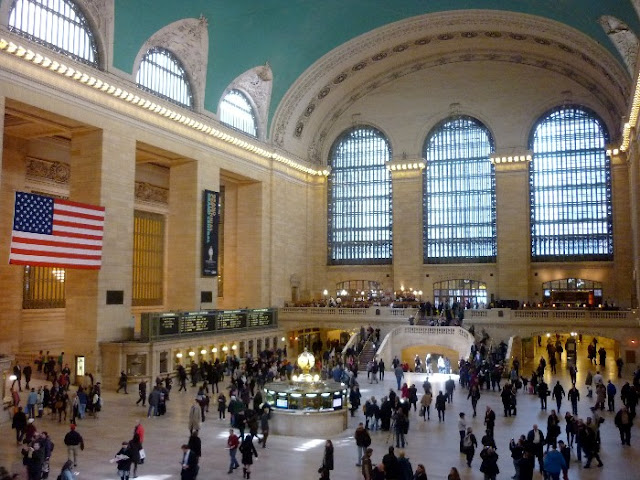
{"x": 306, "y": 405}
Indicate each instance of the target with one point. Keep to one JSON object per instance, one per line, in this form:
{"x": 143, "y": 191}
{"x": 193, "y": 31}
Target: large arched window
{"x": 459, "y": 203}
{"x": 359, "y": 206}
{"x": 57, "y": 24}
{"x": 236, "y": 111}
{"x": 162, "y": 74}
{"x": 570, "y": 187}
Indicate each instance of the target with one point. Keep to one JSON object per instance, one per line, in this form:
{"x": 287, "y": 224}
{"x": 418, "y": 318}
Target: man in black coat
{"x": 391, "y": 466}
{"x": 189, "y": 464}
{"x": 19, "y": 422}
{"x": 535, "y": 444}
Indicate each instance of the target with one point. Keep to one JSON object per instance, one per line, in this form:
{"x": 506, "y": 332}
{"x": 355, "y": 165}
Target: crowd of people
{"x": 233, "y": 387}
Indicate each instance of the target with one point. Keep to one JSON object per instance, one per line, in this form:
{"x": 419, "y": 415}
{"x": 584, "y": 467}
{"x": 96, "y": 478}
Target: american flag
{"x": 52, "y": 232}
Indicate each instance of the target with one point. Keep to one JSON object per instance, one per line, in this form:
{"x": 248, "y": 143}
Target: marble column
{"x": 12, "y": 174}
{"x": 102, "y": 173}
{"x": 407, "y": 228}
{"x": 513, "y": 231}
{"x": 188, "y": 180}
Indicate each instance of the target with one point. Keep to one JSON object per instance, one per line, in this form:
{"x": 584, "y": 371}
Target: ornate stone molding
{"x": 256, "y": 84}
{"x": 408, "y": 41}
{"x": 318, "y": 144}
{"x": 623, "y": 38}
{"x": 145, "y": 192}
{"x": 188, "y": 40}
{"x": 48, "y": 171}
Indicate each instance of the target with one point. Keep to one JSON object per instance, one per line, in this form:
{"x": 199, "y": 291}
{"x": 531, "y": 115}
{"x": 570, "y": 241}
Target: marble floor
{"x": 432, "y": 443}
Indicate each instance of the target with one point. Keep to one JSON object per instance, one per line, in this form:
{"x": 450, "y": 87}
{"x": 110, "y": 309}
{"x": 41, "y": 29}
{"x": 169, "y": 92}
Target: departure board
{"x": 230, "y": 319}
{"x": 156, "y": 325}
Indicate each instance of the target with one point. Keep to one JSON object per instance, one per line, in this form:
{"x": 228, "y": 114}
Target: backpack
{"x": 466, "y": 442}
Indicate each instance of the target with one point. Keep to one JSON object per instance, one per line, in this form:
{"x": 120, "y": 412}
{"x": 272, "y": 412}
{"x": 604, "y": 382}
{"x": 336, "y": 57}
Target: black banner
{"x": 210, "y": 220}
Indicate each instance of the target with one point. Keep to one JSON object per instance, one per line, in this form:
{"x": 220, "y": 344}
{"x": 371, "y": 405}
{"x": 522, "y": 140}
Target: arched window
{"x": 236, "y": 111}
{"x": 459, "y": 202}
{"x": 162, "y": 74}
{"x": 359, "y": 207}
{"x": 57, "y": 24}
{"x": 570, "y": 187}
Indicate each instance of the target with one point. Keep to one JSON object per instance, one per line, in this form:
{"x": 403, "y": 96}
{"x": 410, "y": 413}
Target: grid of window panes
{"x": 570, "y": 188}
{"x": 459, "y": 203}
{"x": 359, "y": 206}
{"x": 148, "y": 259}
{"x": 236, "y": 111}
{"x": 43, "y": 287}
{"x": 469, "y": 293}
{"x": 57, "y": 24}
{"x": 161, "y": 73}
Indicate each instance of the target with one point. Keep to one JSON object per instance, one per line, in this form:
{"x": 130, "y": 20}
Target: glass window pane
{"x": 58, "y": 25}
{"x": 459, "y": 193}
{"x": 162, "y": 74}
{"x": 236, "y": 111}
{"x": 570, "y": 188}
{"x": 359, "y": 204}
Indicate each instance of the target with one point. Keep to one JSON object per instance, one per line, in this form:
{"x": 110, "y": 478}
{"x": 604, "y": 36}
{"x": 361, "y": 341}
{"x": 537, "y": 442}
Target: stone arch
{"x": 624, "y": 39}
{"x": 256, "y": 85}
{"x": 306, "y": 117}
{"x": 188, "y": 40}
{"x": 450, "y": 338}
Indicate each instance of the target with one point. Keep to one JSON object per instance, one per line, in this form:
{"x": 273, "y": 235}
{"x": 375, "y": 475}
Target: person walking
{"x": 554, "y": 464}
{"x": 399, "y": 372}
{"x": 67, "y": 471}
{"x": 462, "y": 429}
{"x": 195, "y": 416}
{"x": 574, "y": 396}
{"x": 474, "y": 395}
{"x": 490, "y": 420}
{"x": 469, "y": 443}
{"x": 248, "y": 451}
{"x": 136, "y": 452}
{"x": 123, "y": 461}
{"x": 363, "y": 440}
{"x": 489, "y": 465}
{"x": 327, "y": 461}
{"x": 232, "y": 445}
{"x": 441, "y": 405}
{"x": 264, "y": 426}
{"x": 404, "y": 467}
{"x": 624, "y": 421}
{"x": 19, "y": 423}
{"x": 425, "y": 406}
{"x": 142, "y": 392}
{"x": 74, "y": 441}
{"x": 189, "y": 464}
{"x": 536, "y": 441}
{"x": 558, "y": 394}
{"x": 611, "y": 396}
{"x": 122, "y": 383}
{"x": 367, "y": 464}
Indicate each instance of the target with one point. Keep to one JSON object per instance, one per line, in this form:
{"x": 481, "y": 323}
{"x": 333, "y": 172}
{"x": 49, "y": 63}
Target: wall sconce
{"x": 179, "y": 355}
{"x": 282, "y": 339}
{"x": 203, "y": 351}
{"x": 225, "y": 348}
{"x": 214, "y": 350}
{"x": 234, "y": 347}
{"x": 192, "y": 353}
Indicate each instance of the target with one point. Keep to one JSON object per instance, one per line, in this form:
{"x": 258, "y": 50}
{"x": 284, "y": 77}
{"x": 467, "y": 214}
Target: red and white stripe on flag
{"x": 53, "y": 232}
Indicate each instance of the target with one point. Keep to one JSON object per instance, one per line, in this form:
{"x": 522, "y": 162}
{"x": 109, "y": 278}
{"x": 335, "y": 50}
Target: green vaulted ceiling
{"x": 293, "y": 34}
